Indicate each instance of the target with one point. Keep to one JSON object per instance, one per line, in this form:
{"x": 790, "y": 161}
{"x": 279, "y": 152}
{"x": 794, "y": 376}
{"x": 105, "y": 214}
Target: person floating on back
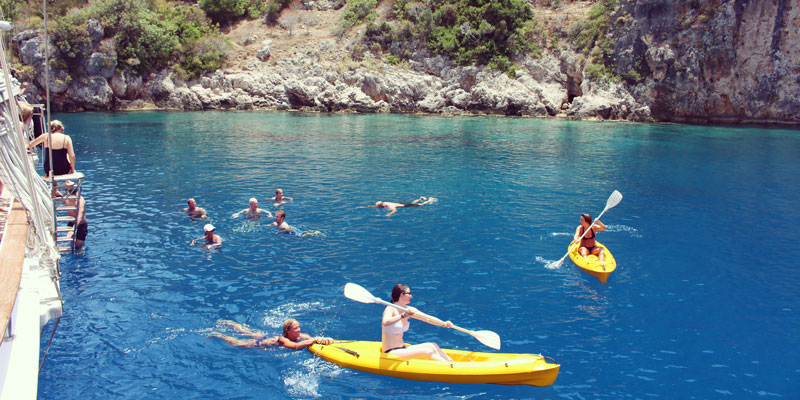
{"x": 588, "y": 245}
{"x": 212, "y": 240}
{"x": 291, "y": 338}
{"x": 193, "y": 211}
{"x": 392, "y": 206}
{"x": 253, "y": 212}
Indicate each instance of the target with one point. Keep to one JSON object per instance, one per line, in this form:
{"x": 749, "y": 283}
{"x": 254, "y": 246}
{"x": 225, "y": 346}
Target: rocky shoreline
{"x": 730, "y": 81}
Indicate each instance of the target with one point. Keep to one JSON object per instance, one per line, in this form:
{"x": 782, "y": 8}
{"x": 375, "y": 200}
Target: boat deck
{"x": 12, "y": 254}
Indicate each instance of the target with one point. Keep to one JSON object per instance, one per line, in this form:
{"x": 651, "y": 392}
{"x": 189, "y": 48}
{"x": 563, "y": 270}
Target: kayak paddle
{"x": 355, "y": 292}
{"x": 613, "y": 200}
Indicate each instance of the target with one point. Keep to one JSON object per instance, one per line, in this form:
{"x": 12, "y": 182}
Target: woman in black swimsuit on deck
{"x": 63, "y": 153}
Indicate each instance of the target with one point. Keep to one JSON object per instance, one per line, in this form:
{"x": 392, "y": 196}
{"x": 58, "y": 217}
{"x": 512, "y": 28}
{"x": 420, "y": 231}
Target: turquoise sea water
{"x": 704, "y": 302}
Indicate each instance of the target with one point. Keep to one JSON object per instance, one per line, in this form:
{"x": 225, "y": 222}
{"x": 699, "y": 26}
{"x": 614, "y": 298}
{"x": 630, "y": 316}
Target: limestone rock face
{"x": 679, "y": 60}
{"x": 732, "y": 62}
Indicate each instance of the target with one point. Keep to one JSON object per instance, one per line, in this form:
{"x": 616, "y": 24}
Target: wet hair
{"x": 397, "y": 290}
{"x": 56, "y": 125}
{"x": 253, "y": 200}
{"x": 587, "y": 218}
{"x": 288, "y": 325}
{"x": 280, "y": 213}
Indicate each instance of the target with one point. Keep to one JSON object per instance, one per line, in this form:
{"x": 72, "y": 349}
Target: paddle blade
{"x": 358, "y": 293}
{"x": 613, "y": 200}
{"x": 488, "y": 338}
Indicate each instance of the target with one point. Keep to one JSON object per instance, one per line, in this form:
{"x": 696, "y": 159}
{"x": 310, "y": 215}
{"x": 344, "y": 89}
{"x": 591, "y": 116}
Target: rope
{"x": 46, "y": 349}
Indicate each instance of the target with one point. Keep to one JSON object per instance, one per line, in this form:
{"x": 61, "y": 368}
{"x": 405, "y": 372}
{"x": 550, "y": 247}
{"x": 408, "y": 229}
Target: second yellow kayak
{"x": 592, "y": 264}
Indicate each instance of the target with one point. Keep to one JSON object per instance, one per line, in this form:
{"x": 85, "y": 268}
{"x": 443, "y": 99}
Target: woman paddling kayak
{"x": 395, "y": 323}
{"x": 588, "y": 245}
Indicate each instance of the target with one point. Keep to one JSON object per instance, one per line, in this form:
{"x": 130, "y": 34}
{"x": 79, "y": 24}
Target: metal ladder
{"x": 65, "y": 241}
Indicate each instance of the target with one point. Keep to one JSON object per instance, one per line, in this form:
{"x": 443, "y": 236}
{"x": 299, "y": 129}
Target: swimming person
{"x": 395, "y": 323}
{"x": 253, "y": 212}
{"x": 279, "y": 198}
{"x": 421, "y": 201}
{"x": 61, "y": 146}
{"x": 291, "y": 338}
{"x": 193, "y": 211}
{"x": 211, "y": 239}
{"x": 283, "y": 227}
{"x": 588, "y": 245}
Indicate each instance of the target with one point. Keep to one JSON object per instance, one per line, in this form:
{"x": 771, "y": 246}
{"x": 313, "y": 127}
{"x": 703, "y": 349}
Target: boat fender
{"x": 408, "y": 363}
{"x": 451, "y": 365}
{"x": 506, "y": 365}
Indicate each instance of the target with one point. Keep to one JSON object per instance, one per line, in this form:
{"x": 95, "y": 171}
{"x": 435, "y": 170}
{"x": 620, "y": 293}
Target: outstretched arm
{"x": 236, "y": 214}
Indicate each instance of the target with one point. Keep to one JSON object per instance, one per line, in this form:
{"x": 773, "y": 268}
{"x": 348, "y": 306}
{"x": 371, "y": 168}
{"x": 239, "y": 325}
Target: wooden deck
{"x": 12, "y": 254}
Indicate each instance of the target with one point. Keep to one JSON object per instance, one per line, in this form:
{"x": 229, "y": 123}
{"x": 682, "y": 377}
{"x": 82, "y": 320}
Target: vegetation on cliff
{"x": 482, "y": 32}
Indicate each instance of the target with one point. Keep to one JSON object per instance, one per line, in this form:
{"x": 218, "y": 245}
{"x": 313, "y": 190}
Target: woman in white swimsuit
{"x": 395, "y": 323}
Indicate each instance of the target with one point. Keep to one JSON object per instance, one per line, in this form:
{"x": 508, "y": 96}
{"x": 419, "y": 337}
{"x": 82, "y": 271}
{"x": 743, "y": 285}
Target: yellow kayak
{"x": 593, "y": 266}
{"x": 467, "y": 367}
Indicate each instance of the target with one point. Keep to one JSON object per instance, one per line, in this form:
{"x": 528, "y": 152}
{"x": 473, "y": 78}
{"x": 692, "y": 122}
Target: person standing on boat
{"x": 291, "y": 338}
{"x": 392, "y": 206}
{"x": 395, "y": 323}
{"x": 83, "y": 226}
{"x": 588, "y": 245}
{"x": 253, "y": 212}
{"x": 279, "y": 198}
{"x": 61, "y": 146}
{"x": 212, "y": 240}
{"x": 193, "y": 211}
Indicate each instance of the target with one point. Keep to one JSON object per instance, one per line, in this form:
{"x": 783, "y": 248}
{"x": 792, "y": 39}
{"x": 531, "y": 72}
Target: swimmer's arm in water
{"x": 269, "y": 214}
{"x": 194, "y": 240}
{"x": 236, "y": 214}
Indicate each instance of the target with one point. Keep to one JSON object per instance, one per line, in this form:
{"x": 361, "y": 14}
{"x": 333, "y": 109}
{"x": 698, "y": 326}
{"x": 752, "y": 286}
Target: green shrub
{"x": 356, "y": 11}
{"x": 71, "y": 35}
{"x": 228, "y": 11}
{"x": 206, "y": 54}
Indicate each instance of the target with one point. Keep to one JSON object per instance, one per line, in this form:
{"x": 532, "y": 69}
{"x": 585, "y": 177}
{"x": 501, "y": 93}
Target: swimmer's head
{"x": 191, "y": 202}
{"x": 288, "y": 325}
{"x": 280, "y": 215}
{"x": 379, "y": 204}
{"x": 253, "y": 202}
{"x": 208, "y": 228}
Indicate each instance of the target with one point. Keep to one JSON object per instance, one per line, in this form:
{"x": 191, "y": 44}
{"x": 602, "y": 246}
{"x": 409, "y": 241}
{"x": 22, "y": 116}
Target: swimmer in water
{"x": 212, "y": 240}
{"x": 193, "y": 211}
{"x": 421, "y": 201}
{"x": 280, "y": 198}
{"x": 291, "y": 338}
{"x": 253, "y": 212}
{"x": 283, "y": 227}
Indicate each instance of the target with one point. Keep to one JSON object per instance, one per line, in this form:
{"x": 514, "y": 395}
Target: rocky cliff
{"x": 712, "y": 61}
{"x": 690, "y": 60}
